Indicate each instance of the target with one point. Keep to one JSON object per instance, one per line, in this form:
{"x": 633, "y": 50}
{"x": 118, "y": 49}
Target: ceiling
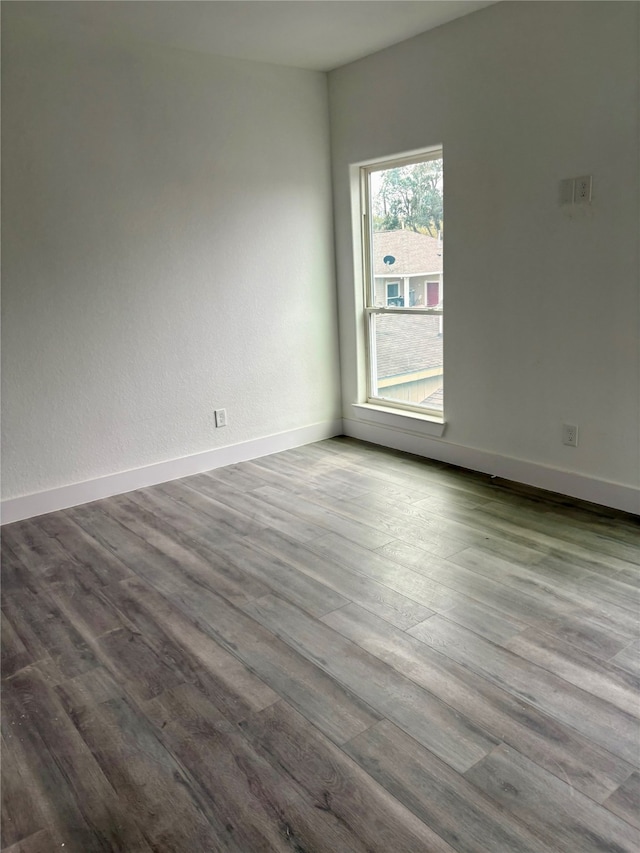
{"x": 315, "y": 34}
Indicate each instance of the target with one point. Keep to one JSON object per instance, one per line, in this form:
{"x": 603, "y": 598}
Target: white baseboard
{"x": 563, "y": 482}
{"x": 600, "y": 492}
{"x": 17, "y": 509}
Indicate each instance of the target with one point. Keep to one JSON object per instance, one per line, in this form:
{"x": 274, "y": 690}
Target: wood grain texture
{"x": 378, "y": 567}
{"x": 259, "y": 511}
{"x": 39, "y": 842}
{"x": 601, "y": 630}
{"x": 21, "y": 816}
{"x": 338, "y": 787}
{"x": 84, "y": 549}
{"x": 46, "y": 632}
{"x": 30, "y": 544}
{"x": 62, "y": 777}
{"x": 551, "y": 808}
{"x": 629, "y": 658}
{"x": 582, "y": 589}
{"x": 625, "y": 802}
{"x": 334, "y": 648}
{"x": 370, "y": 535}
{"x": 429, "y": 720}
{"x": 143, "y": 773}
{"x": 606, "y": 725}
{"x": 443, "y": 799}
{"x": 604, "y": 679}
{"x": 15, "y": 655}
{"x": 390, "y": 605}
{"x": 551, "y": 744}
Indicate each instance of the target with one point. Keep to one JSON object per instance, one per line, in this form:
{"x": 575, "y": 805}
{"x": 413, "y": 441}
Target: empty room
{"x": 293, "y": 558}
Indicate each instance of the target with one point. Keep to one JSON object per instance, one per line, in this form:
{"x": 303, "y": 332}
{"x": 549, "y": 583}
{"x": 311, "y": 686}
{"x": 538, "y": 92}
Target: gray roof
{"x": 414, "y": 253}
{"x": 435, "y": 400}
{"x": 406, "y": 343}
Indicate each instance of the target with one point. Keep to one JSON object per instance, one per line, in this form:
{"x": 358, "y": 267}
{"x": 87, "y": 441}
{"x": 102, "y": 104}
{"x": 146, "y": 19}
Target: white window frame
{"x": 370, "y": 310}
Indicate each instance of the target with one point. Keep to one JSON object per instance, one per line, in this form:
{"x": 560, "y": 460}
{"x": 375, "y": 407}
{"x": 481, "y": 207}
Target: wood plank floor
{"x": 335, "y": 648}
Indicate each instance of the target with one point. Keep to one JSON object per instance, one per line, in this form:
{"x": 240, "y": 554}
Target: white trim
{"x": 393, "y": 312}
{"x": 409, "y": 158}
{"x": 363, "y": 232}
{"x": 17, "y": 509}
{"x": 405, "y": 420}
{"x": 410, "y": 274}
{"x": 603, "y": 492}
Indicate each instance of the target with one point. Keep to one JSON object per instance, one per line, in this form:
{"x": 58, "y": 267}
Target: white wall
{"x": 167, "y": 251}
{"x": 542, "y": 310}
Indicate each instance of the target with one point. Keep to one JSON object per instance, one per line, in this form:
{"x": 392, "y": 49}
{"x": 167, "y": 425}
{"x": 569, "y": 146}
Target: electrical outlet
{"x": 570, "y": 435}
{"x": 582, "y": 191}
{"x": 221, "y": 417}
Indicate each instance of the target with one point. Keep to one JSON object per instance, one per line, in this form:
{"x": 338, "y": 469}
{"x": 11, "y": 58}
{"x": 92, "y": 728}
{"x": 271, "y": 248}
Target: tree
{"x": 410, "y": 197}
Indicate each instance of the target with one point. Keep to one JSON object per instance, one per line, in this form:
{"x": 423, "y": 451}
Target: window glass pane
{"x": 407, "y": 365}
{"x": 407, "y": 235}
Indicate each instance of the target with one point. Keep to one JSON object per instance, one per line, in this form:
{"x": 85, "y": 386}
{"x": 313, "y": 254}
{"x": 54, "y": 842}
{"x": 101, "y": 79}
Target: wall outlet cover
{"x": 582, "y": 191}
{"x": 570, "y": 435}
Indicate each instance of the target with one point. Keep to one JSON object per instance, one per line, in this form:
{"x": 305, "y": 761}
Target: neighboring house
{"x": 408, "y": 349}
{"x": 414, "y": 276}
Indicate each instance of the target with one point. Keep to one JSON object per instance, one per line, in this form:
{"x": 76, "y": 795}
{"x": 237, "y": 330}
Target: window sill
{"x": 408, "y": 421}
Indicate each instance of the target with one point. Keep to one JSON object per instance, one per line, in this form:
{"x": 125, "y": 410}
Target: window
{"x": 403, "y": 263}
{"x": 393, "y": 294}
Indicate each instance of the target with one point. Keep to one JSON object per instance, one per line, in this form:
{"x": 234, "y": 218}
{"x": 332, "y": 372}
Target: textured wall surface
{"x": 542, "y": 309}
{"x": 167, "y": 244}
{"x": 167, "y": 251}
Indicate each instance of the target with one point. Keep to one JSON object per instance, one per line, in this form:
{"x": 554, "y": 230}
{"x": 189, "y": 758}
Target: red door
{"x": 433, "y": 293}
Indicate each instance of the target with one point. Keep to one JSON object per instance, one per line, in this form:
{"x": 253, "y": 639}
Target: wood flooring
{"x": 332, "y": 649}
